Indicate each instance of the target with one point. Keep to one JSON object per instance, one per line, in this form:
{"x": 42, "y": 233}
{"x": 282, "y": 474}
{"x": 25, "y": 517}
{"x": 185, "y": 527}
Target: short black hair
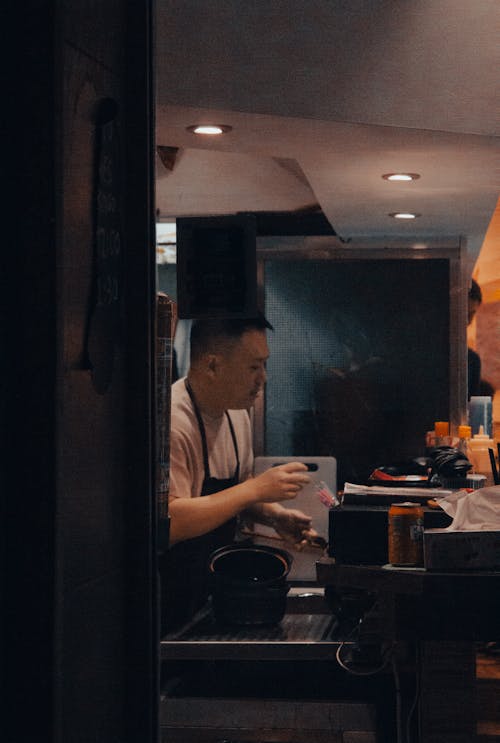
{"x": 206, "y": 333}
{"x": 475, "y": 291}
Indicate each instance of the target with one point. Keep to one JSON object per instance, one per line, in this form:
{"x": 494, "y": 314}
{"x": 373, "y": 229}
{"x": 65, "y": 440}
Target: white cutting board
{"x": 320, "y": 469}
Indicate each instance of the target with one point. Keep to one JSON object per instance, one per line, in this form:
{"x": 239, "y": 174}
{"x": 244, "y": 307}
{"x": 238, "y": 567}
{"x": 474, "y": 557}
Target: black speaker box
{"x": 217, "y": 267}
{"x": 358, "y": 534}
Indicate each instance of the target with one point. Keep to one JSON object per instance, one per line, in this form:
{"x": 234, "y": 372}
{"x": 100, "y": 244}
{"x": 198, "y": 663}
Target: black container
{"x": 358, "y": 533}
{"x": 249, "y": 584}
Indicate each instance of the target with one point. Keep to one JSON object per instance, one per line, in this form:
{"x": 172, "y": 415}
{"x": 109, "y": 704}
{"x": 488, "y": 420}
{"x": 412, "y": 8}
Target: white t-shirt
{"x": 186, "y": 454}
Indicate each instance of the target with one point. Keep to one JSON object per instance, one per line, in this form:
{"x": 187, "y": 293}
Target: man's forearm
{"x": 192, "y": 517}
{"x": 264, "y": 513}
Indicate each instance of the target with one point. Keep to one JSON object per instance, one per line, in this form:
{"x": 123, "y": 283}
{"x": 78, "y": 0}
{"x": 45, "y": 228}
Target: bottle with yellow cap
{"x": 441, "y": 433}
{"x": 464, "y": 434}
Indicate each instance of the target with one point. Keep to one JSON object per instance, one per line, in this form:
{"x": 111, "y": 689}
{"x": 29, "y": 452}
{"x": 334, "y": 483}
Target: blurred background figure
{"x": 473, "y": 359}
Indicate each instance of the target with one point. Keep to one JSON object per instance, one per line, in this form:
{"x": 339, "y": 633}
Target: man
{"x": 474, "y": 301}
{"x": 211, "y": 460}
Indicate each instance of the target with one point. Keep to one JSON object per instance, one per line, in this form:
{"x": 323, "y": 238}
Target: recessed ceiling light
{"x": 404, "y": 215}
{"x": 211, "y": 129}
{"x": 401, "y": 176}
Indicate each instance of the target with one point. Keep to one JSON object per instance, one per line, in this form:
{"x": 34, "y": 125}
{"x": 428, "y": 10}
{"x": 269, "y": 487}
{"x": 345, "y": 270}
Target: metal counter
{"x": 307, "y": 631}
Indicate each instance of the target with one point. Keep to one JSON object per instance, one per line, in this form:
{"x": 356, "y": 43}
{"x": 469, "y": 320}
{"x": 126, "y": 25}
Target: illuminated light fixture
{"x": 401, "y": 176}
{"x": 210, "y": 129}
{"x": 404, "y": 215}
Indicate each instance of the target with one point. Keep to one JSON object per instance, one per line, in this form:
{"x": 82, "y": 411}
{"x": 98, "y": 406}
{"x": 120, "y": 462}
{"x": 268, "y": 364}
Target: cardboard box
{"x": 461, "y": 550}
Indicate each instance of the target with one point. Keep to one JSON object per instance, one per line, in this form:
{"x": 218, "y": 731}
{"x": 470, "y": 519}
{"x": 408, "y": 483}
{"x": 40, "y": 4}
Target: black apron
{"x": 184, "y": 574}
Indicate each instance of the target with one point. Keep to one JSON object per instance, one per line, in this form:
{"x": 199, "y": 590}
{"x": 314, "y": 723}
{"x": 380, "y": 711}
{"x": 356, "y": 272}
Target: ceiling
{"x": 324, "y": 97}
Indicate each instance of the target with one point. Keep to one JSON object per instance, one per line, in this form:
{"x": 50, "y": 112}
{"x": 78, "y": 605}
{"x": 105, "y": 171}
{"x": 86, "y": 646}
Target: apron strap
{"x": 201, "y": 427}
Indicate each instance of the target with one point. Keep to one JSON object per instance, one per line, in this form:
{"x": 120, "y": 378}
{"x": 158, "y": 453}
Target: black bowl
{"x": 249, "y": 584}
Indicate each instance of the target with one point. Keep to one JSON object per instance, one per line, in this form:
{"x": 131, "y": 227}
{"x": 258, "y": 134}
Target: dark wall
{"x": 77, "y": 370}
{"x": 28, "y": 343}
{"x": 360, "y": 358}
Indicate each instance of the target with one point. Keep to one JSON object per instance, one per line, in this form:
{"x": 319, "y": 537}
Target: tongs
{"x": 308, "y": 540}
{"x": 494, "y": 468}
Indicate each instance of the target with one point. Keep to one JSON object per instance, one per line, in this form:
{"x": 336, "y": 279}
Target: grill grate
{"x": 292, "y": 628}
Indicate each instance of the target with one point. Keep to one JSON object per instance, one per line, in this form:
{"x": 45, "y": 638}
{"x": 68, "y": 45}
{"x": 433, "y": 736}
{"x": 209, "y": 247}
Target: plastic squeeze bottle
{"x": 479, "y": 455}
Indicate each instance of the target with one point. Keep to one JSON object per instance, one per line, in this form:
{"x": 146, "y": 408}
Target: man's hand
{"x": 293, "y": 526}
{"x": 281, "y": 483}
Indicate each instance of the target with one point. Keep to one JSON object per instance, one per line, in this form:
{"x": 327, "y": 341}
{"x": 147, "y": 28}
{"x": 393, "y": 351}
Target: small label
{"x": 417, "y": 531}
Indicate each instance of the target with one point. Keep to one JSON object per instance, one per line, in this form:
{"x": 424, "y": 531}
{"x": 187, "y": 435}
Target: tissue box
{"x": 461, "y": 550}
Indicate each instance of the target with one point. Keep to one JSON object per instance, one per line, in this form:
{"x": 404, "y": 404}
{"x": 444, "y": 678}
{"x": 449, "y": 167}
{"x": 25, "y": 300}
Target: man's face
{"x": 242, "y": 370}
